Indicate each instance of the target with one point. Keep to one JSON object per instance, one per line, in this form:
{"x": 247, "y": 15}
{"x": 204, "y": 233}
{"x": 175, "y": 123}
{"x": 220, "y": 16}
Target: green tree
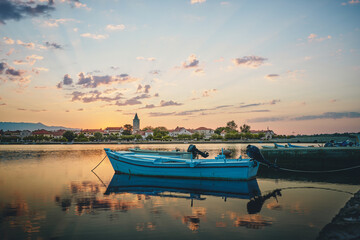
{"x": 231, "y": 125}
{"x": 148, "y": 128}
{"x": 216, "y": 136}
{"x": 160, "y": 132}
{"x": 219, "y": 130}
{"x": 98, "y": 136}
{"x": 138, "y": 137}
{"x": 127, "y": 129}
{"x": 245, "y": 128}
{"x": 69, "y": 135}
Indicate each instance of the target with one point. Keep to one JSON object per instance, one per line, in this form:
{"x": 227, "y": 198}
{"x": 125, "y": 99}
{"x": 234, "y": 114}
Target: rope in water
{"x": 99, "y": 163}
{"x": 319, "y": 171}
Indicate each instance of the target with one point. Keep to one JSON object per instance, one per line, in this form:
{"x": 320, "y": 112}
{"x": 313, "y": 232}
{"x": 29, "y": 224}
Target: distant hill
{"x": 12, "y": 126}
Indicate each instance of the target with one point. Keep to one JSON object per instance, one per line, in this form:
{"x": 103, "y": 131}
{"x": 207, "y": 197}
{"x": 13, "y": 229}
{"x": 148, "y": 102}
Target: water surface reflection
{"x": 49, "y": 192}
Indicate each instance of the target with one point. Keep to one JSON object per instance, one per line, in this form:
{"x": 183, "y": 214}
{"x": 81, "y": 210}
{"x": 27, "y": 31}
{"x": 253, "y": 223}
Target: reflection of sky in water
{"x": 50, "y": 192}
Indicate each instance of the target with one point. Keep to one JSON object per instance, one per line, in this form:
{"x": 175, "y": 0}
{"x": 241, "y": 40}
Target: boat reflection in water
{"x": 183, "y": 188}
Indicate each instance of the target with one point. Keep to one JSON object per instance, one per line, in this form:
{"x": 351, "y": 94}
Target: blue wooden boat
{"x": 182, "y": 188}
{"x": 168, "y": 166}
{"x": 179, "y": 154}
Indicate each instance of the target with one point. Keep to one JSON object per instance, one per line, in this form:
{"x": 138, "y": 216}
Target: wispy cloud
{"x": 150, "y": 59}
{"x": 53, "y": 45}
{"x": 112, "y": 27}
{"x": 207, "y": 93}
{"x": 329, "y": 115}
{"x": 8, "y": 40}
{"x": 272, "y": 77}
{"x": 94, "y": 36}
{"x": 56, "y": 22}
{"x": 29, "y": 45}
{"x": 314, "y": 38}
{"x": 326, "y": 115}
{"x": 249, "y": 61}
{"x": 272, "y": 102}
{"x": 169, "y": 103}
{"x": 197, "y": 1}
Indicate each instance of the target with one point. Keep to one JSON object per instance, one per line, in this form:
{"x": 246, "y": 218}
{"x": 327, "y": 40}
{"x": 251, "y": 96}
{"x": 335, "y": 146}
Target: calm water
{"x": 49, "y": 192}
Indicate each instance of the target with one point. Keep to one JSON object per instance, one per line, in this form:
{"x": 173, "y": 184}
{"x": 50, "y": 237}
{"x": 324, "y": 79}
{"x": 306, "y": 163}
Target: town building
{"x": 42, "y": 132}
{"x": 136, "y": 123}
{"x": 269, "y": 134}
{"x": 208, "y": 132}
{"x": 179, "y": 130}
{"x": 113, "y": 130}
{"x": 91, "y": 132}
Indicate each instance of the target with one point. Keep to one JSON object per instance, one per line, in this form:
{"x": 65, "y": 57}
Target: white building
{"x": 206, "y": 131}
{"x": 179, "y": 130}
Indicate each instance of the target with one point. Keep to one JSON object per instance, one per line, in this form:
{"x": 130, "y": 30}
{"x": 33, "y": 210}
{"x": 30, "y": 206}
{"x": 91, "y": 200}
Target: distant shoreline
{"x": 161, "y": 142}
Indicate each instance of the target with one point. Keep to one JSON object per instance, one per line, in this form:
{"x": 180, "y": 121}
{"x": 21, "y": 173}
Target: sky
{"x": 290, "y": 66}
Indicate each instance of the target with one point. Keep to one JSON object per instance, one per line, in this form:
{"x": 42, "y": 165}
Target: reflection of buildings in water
{"x": 84, "y": 196}
{"x": 193, "y": 221}
{"x": 297, "y": 208}
{"x": 274, "y": 206}
{"x": 143, "y": 226}
{"x": 254, "y": 221}
{"x": 18, "y": 215}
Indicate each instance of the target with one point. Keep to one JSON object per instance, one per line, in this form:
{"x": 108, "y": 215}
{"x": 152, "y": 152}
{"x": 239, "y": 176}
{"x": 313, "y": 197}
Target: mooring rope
{"x": 317, "y": 171}
{"x": 99, "y": 163}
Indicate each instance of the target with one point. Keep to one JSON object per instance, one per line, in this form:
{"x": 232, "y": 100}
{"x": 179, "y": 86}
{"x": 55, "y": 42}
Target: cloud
{"x": 155, "y": 72}
{"x": 272, "y": 102}
{"x": 144, "y": 89}
{"x": 249, "y": 61}
{"x": 67, "y": 80}
{"x": 169, "y": 103}
{"x": 27, "y": 45}
{"x": 33, "y": 58}
{"x": 148, "y": 106}
{"x": 329, "y": 115}
{"x": 17, "y": 10}
{"x": 272, "y": 77}
{"x": 90, "y": 81}
{"x": 133, "y": 100}
{"x": 53, "y": 45}
{"x": 313, "y": 37}
{"x": 112, "y": 27}
{"x": 197, "y": 1}
{"x": 150, "y": 59}
{"x": 56, "y": 22}
{"x": 3, "y": 66}
{"x": 266, "y": 119}
{"x": 8, "y": 40}
{"x": 10, "y": 52}
{"x": 207, "y": 93}
{"x": 94, "y": 36}
{"x": 193, "y": 62}
{"x": 93, "y": 96}
{"x": 160, "y": 114}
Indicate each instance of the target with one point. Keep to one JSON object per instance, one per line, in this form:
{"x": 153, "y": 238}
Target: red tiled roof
{"x": 203, "y": 128}
{"x": 92, "y": 130}
{"x": 41, "y": 132}
{"x": 113, "y": 128}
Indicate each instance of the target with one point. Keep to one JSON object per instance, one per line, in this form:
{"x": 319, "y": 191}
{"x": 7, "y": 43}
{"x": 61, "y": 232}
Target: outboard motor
{"x": 195, "y": 152}
{"x": 254, "y": 153}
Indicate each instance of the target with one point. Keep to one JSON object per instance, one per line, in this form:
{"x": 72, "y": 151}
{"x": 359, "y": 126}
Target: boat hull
{"x": 122, "y": 183}
{"x": 124, "y": 162}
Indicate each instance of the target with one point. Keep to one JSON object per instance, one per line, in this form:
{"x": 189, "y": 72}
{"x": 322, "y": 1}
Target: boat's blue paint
{"x": 295, "y": 146}
{"x": 155, "y": 165}
{"x": 279, "y": 146}
{"x": 155, "y": 186}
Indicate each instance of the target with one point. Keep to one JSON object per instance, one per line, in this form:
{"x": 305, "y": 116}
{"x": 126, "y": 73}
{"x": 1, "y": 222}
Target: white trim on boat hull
{"x": 183, "y": 168}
